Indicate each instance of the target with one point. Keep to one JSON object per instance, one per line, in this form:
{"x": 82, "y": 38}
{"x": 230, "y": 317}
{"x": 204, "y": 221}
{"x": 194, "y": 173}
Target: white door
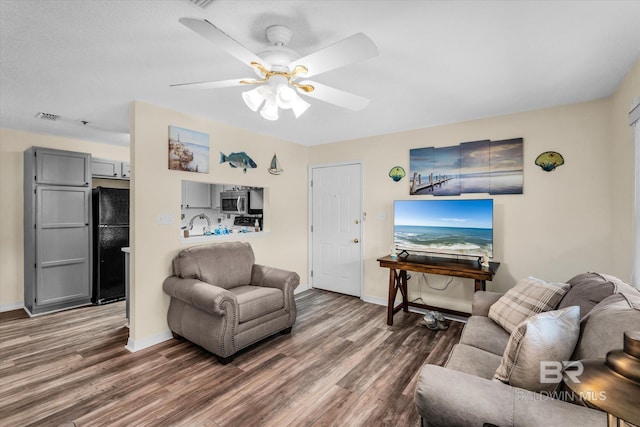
{"x": 336, "y": 228}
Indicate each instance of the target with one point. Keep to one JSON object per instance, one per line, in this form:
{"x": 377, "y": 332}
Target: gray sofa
{"x": 224, "y": 302}
{"x": 464, "y": 393}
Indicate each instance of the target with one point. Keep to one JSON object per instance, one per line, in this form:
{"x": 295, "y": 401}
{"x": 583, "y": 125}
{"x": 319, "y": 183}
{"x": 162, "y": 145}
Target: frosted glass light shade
{"x": 299, "y": 106}
{"x": 254, "y": 97}
{"x": 285, "y": 97}
{"x": 270, "y": 110}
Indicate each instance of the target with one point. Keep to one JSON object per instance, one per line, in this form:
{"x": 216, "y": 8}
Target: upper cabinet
{"x": 111, "y": 169}
{"x": 61, "y": 167}
{"x": 196, "y": 194}
{"x": 125, "y": 171}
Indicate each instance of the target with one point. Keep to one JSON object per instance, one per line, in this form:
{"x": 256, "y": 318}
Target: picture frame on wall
{"x": 188, "y": 150}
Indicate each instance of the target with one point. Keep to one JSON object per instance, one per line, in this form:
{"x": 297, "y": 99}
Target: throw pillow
{"x": 603, "y": 328}
{"x": 545, "y": 337}
{"x": 527, "y": 298}
{"x": 588, "y": 289}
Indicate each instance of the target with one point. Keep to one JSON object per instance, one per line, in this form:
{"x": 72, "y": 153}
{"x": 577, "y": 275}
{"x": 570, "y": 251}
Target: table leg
{"x": 480, "y": 285}
{"x": 392, "y": 295}
{"x": 403, "y": 289}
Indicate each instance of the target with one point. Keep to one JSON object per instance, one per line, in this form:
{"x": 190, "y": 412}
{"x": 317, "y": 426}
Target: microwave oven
{"x": 234, "y": 202}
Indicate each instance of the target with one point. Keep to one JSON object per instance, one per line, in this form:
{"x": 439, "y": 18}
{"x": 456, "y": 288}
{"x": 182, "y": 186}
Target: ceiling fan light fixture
{"x": 270, "y": 110}
{"x": 254, "y": 97}
{"x": 299, "y": 106}
{"x": 285, "y": 97}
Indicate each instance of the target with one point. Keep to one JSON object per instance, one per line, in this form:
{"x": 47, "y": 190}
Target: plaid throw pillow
{"x": 527, "y": 298}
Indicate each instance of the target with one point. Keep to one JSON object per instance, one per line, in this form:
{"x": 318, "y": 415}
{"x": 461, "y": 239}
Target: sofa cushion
{"x": 473, "y": 361}
{"x": 484, "y": 333}
{"x": 549, "y": 336}
{"x": 225, "y": 264}
{"x": 603, "y": 328}
{"x": 256, "y": 301}
{"x": 588, "y": 289}
{"x": 527, "y": 298}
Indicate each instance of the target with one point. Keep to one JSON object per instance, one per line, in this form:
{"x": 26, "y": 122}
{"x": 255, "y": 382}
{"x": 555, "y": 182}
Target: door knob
{"x": 356, "y": 240}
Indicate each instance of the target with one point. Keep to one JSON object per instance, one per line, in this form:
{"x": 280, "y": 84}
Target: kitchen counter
{"x": 220, "y": 237}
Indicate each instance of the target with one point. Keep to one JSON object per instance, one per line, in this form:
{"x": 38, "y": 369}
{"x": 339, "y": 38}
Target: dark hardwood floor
{"x": 341, "y": 366}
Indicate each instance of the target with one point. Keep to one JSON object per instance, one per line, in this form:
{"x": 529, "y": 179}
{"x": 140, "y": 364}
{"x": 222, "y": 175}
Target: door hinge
{"x": 312, "y": 228}
{"x": 312, "y": 183}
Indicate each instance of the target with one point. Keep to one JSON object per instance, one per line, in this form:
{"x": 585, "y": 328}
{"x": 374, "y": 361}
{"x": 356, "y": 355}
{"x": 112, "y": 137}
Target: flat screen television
{"x": 451, "y": 227}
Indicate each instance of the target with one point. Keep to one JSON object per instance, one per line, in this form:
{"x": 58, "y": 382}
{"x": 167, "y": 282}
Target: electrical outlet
{"x": 165, "y": 218}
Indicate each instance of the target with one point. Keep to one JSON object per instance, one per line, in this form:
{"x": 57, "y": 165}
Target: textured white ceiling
{"x": 440, "y": 61}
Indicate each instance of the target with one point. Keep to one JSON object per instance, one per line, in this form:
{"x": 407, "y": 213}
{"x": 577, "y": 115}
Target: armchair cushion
{"x": 225, "y": 266}
{"x": 256, "y": 301}
{"x": 549, "y": 336}
{"x": 485, "y": 334}
{"x": 527, "y": 298}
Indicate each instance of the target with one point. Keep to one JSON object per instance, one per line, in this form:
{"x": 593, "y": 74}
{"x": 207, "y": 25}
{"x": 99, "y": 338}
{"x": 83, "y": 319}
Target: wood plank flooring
{"x": 341, "y": 366}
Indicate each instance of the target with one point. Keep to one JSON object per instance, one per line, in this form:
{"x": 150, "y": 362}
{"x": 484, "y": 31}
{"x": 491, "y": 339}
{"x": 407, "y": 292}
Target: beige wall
{"x": 157, "y": 190}
{"x": 560, "y": 226}
{"x": 12, "y": 145}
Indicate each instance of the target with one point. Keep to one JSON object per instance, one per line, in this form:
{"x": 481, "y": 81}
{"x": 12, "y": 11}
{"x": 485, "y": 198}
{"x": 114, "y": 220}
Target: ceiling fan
{"x": 280, "y": 70}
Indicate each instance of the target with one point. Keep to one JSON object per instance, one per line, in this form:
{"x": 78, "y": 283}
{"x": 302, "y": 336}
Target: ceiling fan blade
{"x": 352, "y": 49}
{"x": 215, "y": 35}
{"x": 335, "y": 96}
{"x": 210, "y": 85}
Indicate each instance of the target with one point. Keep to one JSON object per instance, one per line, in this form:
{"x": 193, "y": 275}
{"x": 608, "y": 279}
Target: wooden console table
{"x": 399, "y": 266}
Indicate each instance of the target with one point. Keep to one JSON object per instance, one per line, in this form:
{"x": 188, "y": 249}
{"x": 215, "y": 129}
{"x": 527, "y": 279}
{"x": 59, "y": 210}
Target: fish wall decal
{"x": 238, "y": 160}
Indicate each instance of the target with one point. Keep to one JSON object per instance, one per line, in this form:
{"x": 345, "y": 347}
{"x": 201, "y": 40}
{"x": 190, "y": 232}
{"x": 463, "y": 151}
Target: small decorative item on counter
{"x": 207, "y": 231}
{"x": 257, "y": 226}
{"x": 244, "y": 229}
{"x": 393, "y": 251}
{"x": 484, "y": 261}
{"x": 185, "y": 233}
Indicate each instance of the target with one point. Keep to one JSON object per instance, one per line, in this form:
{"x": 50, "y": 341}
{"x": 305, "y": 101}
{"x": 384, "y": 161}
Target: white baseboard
{"x": 138, "y": 345}
{"x": 11, "y": 307}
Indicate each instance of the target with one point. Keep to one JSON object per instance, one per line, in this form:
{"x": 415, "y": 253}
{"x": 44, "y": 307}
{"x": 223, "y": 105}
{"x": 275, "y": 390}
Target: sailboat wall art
{"x": 275, "y": 168}
{"x": 188, "y": 150}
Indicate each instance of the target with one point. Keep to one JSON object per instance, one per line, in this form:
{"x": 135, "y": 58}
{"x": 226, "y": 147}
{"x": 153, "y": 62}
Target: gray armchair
{"x": 224, "y": 302}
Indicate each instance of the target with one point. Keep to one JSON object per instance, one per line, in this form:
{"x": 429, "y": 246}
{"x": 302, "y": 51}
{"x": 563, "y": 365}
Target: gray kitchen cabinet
{"x": 125, "y": 171}
{"x": 59, "y": 167}
{"x": 196, "y": 194}
{"x": 110, "y": 169}
{"x": 57, "y": 234}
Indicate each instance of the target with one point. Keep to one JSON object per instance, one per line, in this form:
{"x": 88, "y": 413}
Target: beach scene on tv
{"x": 450, "y": 227}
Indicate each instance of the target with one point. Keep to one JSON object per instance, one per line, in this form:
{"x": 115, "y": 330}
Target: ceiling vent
{"x": 47, "y": 116}
{"x": 201, "y": 3}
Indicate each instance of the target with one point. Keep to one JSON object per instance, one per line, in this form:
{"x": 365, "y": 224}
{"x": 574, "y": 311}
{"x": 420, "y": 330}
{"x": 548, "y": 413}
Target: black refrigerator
{"x": 110, "y": 234}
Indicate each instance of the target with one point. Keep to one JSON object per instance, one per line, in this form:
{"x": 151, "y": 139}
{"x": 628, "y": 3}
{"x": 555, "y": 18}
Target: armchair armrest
{"x": 445, "y": 397}
{"x": 204, "y": 296}
{"x": 274, "y": 278}
{"x": 482, "y": 300}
